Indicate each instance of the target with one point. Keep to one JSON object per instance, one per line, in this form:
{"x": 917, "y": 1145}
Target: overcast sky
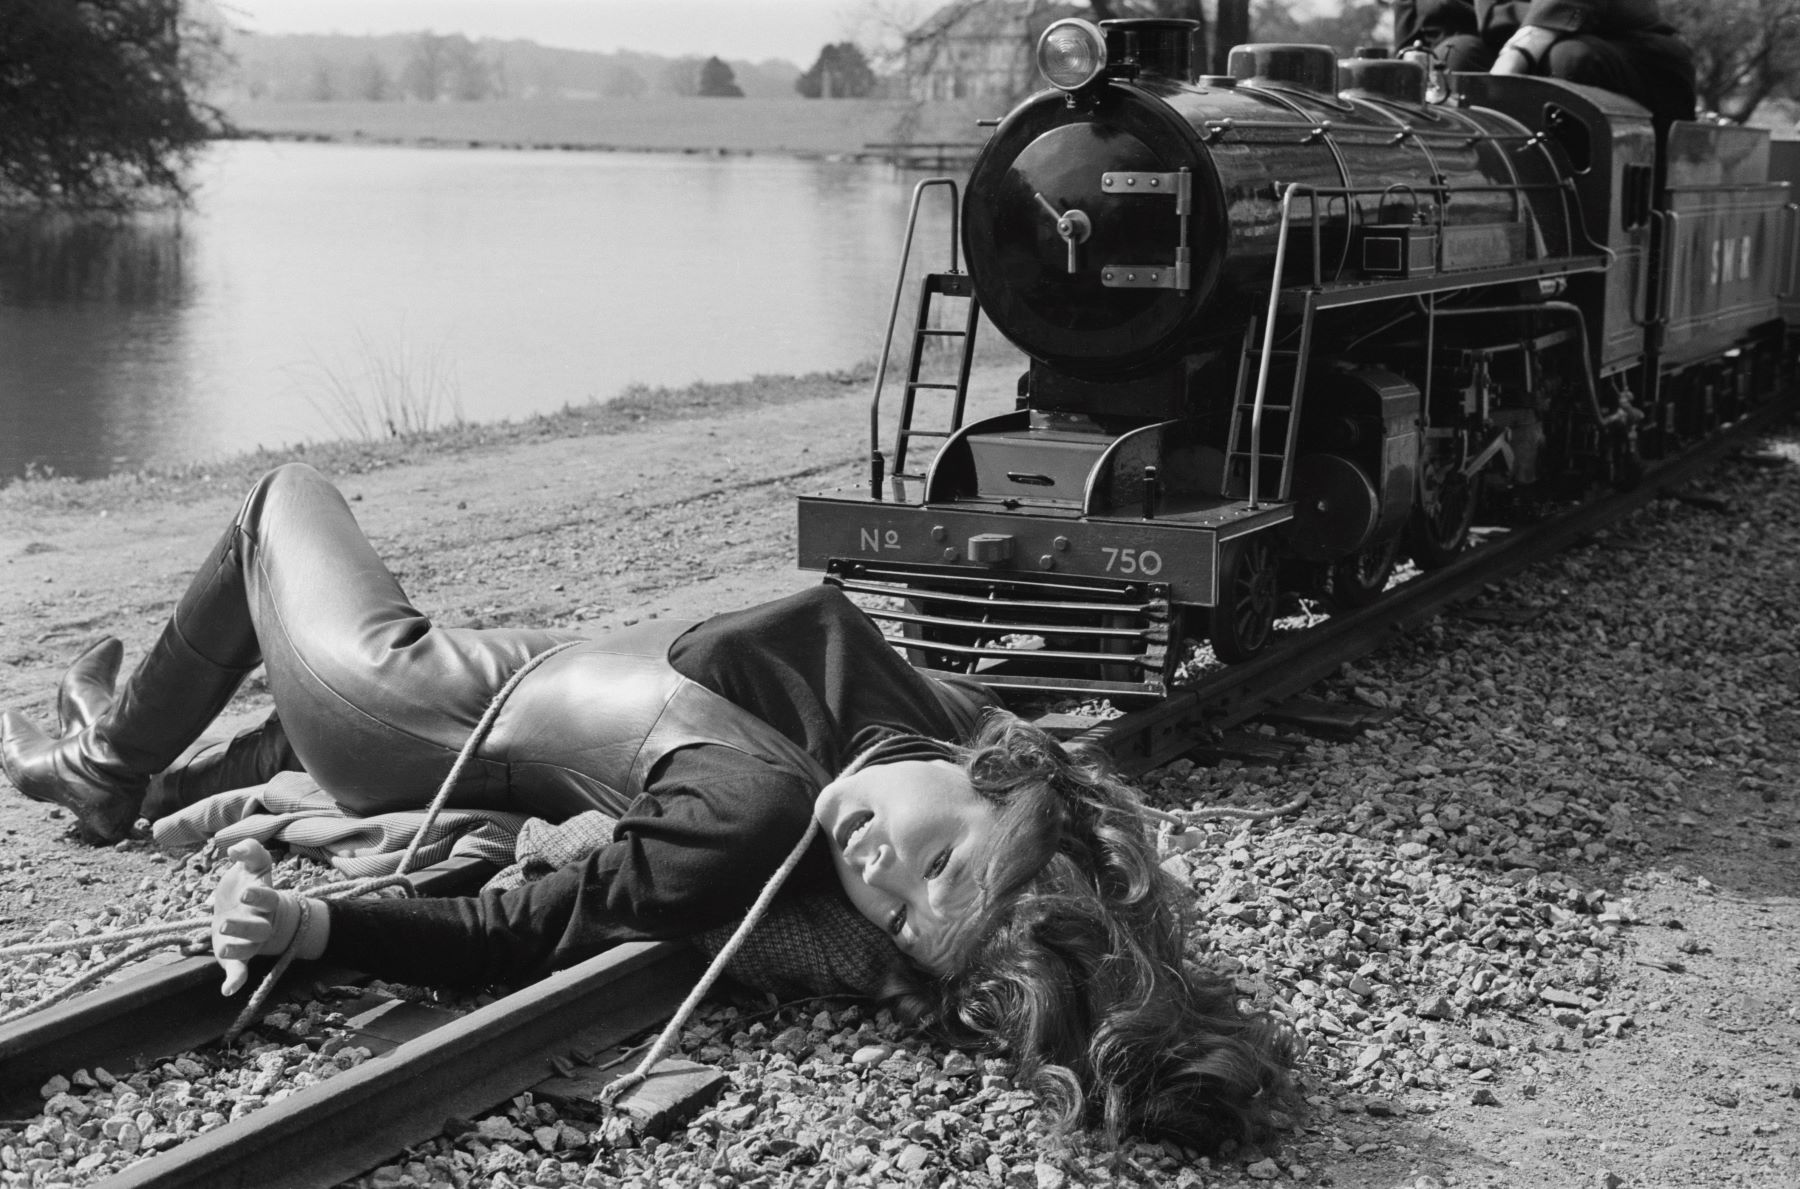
{"x": 743, "y": 29}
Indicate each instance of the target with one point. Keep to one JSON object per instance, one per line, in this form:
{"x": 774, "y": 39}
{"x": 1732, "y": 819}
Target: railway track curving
{"x": 433, "y": 1065}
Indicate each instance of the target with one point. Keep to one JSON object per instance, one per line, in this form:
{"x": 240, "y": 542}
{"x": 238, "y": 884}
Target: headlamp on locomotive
{"x": 1071, "y": 54}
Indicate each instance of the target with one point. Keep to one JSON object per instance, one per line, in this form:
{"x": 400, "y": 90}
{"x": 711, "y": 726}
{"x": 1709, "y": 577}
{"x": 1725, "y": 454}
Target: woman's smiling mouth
{"x": 852, "y": 828}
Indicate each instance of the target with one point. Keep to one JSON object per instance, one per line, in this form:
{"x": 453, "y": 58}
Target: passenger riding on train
{"x": 987, "y": 879}
{"x": 1623, "y": 46}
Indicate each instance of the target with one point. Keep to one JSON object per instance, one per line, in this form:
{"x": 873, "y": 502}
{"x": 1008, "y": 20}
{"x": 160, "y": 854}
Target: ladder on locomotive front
{"x": 952, "y": 284}
{"x": 1245, "y": 456}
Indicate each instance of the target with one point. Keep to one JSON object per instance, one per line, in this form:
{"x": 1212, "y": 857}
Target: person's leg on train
{"x": 1655, "y": 69}
{"x": 1462, "y": 52}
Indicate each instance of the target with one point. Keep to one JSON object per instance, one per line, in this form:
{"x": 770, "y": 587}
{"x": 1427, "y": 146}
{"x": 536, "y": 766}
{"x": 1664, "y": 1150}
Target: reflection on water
{"x": 58, "y": 259}
{"x": 318, "y": 290}
{"x": 88, "y": 307}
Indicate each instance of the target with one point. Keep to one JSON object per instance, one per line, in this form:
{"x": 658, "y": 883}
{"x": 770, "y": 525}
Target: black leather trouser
{"x": 1654, "y": 68}
{"x": 376, "y": 700}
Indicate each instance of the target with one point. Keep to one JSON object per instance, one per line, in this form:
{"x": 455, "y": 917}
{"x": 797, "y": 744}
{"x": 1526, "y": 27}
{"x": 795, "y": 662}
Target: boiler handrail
{"x": 1268, "y": 347}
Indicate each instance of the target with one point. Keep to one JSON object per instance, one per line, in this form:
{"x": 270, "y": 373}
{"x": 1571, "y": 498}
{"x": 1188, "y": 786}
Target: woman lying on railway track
{"x": 1013, "y": 888}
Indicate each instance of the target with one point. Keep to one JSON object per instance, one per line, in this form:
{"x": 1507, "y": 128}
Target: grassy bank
{"x": 997, "y": 365}
{"x": 636, "y": 408}
{"x": 839, "y": 127}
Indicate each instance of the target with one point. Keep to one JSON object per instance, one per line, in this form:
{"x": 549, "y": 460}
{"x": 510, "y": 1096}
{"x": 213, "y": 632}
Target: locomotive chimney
{"x": 1154, "y": 45}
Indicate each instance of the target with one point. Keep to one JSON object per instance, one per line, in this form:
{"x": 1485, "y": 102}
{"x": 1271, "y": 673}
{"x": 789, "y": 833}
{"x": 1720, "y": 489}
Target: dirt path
{"x": 691, "y": 517}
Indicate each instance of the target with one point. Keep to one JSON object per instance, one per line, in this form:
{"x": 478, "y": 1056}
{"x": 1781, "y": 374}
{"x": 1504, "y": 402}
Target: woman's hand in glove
{"x": 251, "y": 917}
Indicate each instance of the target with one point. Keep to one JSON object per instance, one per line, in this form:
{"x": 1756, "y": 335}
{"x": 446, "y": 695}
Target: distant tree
{"x": 1351, "y": 25}
{"x": 470, "y": 77}
{"x": 427, "y": 68}
{"x": 544, "y": 82}
{"x": 369, "y": 80}
{"x": 718, "y": 82}
{"x": 1745, "y": 51}
{"x": 841, "y": 72}
{"x": 682, "y": 76}
{"x": 99, "y": 101}
{"x": 319, "y": 87}
{"x": 446, "y": 66}
{"x": 619, "y": 81}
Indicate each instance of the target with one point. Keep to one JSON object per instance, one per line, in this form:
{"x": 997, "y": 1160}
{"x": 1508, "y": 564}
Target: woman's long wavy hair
{"x": 1076, "y": 970}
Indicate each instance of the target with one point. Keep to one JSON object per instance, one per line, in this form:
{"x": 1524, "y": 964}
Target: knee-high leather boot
{"x": 101, "y": 772}
{"x": 252, "y": 756}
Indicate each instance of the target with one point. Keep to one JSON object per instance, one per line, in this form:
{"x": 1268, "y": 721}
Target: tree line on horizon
{"x": 431, "y": 67}
{"x": 104, "y": 103}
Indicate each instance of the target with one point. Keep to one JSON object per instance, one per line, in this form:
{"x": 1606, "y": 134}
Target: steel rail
{"x": 329, "y": 1132}
{"x": 156, "y": 1010}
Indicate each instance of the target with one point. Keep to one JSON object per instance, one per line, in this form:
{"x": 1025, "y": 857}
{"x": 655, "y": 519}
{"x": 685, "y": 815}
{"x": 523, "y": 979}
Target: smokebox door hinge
{"x": 1178, "y": 186}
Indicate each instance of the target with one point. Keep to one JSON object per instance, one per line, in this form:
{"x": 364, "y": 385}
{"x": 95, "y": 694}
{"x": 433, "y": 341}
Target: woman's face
{"x": 908, "y": 839}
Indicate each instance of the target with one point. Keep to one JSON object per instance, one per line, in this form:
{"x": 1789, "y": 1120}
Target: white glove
{"x": 250, "y": 917}
{"x": 1524, "y": 51}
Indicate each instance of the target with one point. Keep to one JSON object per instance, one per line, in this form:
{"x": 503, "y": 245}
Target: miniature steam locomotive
{"x": 1287, "y": 327}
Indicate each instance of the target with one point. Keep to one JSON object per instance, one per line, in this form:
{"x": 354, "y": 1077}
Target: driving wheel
{"x": 1358, "y": 580}
{"x": 1244, "y": 619}
{"x": 1440, "y": 524}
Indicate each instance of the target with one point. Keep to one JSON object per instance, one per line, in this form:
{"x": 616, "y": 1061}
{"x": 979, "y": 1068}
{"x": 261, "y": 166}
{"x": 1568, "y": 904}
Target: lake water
{"x": 313, "y": 282}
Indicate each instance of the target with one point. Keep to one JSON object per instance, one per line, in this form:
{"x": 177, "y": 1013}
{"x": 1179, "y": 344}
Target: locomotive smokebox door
{"x": 1079, "y": 232}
